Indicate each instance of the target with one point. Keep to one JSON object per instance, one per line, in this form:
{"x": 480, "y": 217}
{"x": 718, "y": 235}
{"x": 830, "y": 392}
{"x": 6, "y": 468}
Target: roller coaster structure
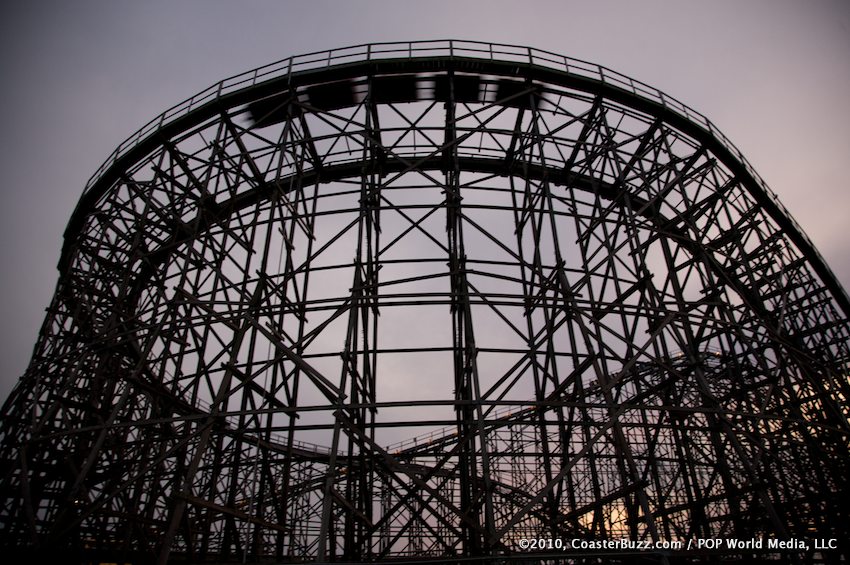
{"x": 420, "y": 301}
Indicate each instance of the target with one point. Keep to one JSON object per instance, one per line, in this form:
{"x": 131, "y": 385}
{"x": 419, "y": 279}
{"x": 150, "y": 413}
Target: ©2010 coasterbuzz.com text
{"x": 769, "y": 544}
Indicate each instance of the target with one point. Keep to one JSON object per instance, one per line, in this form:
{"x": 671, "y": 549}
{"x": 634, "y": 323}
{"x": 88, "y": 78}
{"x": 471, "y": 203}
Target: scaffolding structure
{"x": 420, "y": 301}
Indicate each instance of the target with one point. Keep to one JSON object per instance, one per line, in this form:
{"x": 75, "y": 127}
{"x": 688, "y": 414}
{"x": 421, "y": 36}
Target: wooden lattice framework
{"x": 424, "y": 300}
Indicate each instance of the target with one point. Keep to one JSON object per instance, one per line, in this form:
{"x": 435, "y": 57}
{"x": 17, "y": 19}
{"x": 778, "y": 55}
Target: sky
{"x": 77, "y": 78}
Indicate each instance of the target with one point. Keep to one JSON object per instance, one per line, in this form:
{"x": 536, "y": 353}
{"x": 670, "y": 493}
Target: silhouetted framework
{"x": 420, "y": 301}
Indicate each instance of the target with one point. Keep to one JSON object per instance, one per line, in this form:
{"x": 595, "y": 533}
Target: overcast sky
{"x": 77, "y": 78}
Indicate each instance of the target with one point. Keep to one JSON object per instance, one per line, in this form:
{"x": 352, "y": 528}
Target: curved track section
{"x": 421, "y": 301}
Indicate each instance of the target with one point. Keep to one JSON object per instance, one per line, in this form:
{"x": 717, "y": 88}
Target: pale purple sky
{"x": 77, "y": 78}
